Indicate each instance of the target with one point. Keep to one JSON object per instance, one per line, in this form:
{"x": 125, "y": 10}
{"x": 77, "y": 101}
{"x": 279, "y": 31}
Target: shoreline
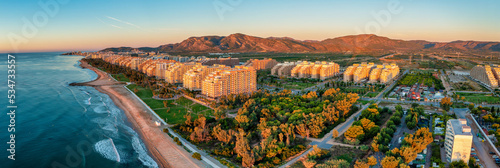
{"x": 161, "y": 148}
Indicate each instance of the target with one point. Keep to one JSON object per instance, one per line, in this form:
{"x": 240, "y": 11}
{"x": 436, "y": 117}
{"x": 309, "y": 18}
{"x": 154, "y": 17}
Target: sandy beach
{"x": 162, "y": 148}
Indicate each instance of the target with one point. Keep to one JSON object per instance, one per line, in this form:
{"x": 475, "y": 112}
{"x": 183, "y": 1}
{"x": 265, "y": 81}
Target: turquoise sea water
{"x": 64, "y": 126}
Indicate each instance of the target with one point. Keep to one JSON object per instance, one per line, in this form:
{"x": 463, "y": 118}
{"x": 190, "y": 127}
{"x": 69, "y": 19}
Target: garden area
{"x": 426, "y": 78}
{"x": 263, "y": 133}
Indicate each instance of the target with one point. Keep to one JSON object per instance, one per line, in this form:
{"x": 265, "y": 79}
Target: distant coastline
{"x": 76, "y": 53}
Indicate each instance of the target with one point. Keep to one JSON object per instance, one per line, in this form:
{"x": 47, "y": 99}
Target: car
{"x": 477, "y": 160}
{"x": 494, "y": 157}
{"x": 472, "y": 149}
{"x": 473, "y": 154}
{"x": 475, "y": 157}
{"x": 492, "y": 153}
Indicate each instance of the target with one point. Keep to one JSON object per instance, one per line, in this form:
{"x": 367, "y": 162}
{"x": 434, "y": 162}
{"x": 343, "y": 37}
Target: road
{"x": 482, "y": 148}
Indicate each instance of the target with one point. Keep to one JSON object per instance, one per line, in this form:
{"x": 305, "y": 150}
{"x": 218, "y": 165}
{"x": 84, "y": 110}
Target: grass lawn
{"x": 363, "y": 101}
{"x": 478, "y": 98}
{"x": 120, "y": 77}
{"x": 372, "y": 94}
{"x": 298, "y": 85}
{"x": 176, "y": 108}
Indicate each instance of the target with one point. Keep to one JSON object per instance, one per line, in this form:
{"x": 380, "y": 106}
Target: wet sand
{"x": 162, "y": 148}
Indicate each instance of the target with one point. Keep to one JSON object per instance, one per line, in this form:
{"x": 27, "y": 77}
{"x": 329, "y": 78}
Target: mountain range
{"x": 363, "y": 43}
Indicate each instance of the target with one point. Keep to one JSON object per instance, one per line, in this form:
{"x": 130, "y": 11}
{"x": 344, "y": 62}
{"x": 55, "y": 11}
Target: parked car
{"x": 472, "y": 149}
{"x": 492, "y": 153}
{"x": 494, "y": 157}
{"x": 473, "y": 154}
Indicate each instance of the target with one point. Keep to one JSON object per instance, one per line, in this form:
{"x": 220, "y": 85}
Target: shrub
{"x": 276, "y": 160}
{"x": 176, "y": 139}
{"x": 197, "y": 155}
{"x": 355, "y": 142}
{"x": 165, "y": 130}
{"x": 179, "y": 143}
{"x": 364, "y": 147}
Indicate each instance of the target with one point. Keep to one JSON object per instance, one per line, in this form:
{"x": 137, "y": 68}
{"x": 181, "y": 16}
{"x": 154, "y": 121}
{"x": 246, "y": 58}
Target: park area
{"x": 478, "y": 98}
{"x": 173, "y": 110}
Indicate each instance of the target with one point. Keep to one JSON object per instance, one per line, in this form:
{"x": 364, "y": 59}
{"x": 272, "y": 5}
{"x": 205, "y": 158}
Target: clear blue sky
{"x": 93, "y": 24}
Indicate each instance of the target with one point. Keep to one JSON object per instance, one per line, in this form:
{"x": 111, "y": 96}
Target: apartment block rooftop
{"x": 460, "y": 127}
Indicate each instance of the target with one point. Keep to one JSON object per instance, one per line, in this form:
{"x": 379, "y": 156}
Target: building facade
{"x": 221, "y": 61}
{"x": 283, "y": 69}
{"x": 194, "y": 77}
{"x": 371, "y": 73}
{"x": 266, "y": 63}
{"x": 458, "y": 140}
{"x": 314, "y": 70}
{"x": 237, "y": 80}
{"x": 489, "y": 75}
{"x": 175, "y": 73}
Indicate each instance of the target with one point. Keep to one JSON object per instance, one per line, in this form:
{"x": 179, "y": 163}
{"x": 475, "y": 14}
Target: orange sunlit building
{"x": 315, "y": 70}
{"x": 174, "y": 74}
{"x": 266, "y": 63}
{"x": 194, "y": 77}
{"x": 240, "y": 79}
{"x": 370, "y": 72}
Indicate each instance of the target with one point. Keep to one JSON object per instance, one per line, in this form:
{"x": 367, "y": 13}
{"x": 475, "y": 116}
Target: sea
{"x": 57, "y": 125}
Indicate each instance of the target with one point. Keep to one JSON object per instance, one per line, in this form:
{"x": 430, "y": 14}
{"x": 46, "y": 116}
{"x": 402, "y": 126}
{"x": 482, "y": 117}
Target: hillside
{"x": 364, "y": 43}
